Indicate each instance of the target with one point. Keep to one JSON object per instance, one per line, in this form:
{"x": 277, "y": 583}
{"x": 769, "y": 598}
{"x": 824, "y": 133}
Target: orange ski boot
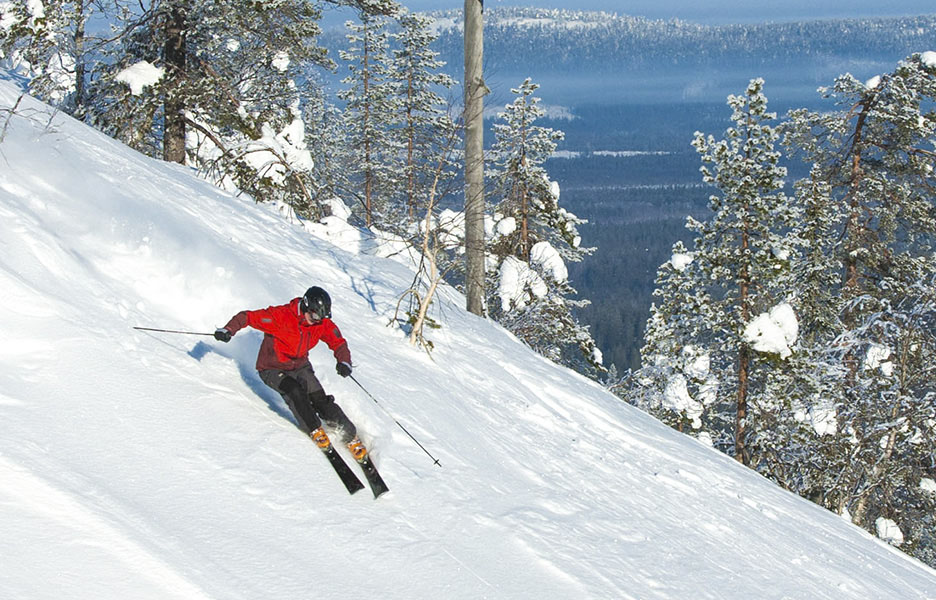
{"x": 358, "y": 451}
{"x": 320, "y": 438}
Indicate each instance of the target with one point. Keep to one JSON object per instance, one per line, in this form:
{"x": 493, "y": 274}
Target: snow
{"x": 563, "y": 22}
{"x": 8, "y": 19}
{"x": 681, "y": 260}
{"x": 698, "y": 365}
{"x": 505, "y": 226}
{"x": 558, "y": 113}
{"x": 780, "y": 252}
{"x": 877, "y": 358}
{"x": 929, "y": 58}
{"x": 158, "y": 466}
{"x": 773, "y": 332}
{"x": 889, "y": 531}
{"x": 517, "y": 283}
{"x": 276, "y": 155}
{"x": 873, "y": 82}
{"x": 628, "y": 153}
{"x": 440, "y": 25}
{"x": 822, "y": 417}
{"x": 569, "y": 154}
{"x": 928, "y": 485}
{"x": 676, "y": 396}
{"x": 281, "y": 61}
{"x": 35, "y": 8}
{"x": 544, "y": 254}
{"x": 140, "y": 75}
{"x": 554, "y": 190}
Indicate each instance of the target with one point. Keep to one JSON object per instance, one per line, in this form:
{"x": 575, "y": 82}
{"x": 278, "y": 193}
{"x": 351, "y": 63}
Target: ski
{"x": 347, "y": 476}
{"x": 374, "y": 480}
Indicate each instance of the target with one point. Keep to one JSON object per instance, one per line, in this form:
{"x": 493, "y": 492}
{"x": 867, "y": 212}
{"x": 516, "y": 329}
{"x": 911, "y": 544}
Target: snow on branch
{"x": 773, "y": 332}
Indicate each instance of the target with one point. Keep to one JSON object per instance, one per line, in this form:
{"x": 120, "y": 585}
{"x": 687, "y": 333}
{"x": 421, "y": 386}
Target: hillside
{"x": 138, "y": 465}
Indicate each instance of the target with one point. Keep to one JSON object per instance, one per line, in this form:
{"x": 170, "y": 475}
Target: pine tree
{"x": 808, "y": 387}
{"x": 702, "y": 362}
{"x": 533, "y": 239}
{"x": 426, "y": 125}
{"x": 326, "y": 138}
{"x": 227, "y": 102}
{"x": 371, "y": 112}
{"x": 875, "y": 156}
{"x": 50, "y": 43}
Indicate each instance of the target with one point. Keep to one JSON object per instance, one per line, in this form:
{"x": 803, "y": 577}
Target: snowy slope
{"x": 137, "y": 465}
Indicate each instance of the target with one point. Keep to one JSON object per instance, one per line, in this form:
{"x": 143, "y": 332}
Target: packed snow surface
{"x": 144, "y": 465}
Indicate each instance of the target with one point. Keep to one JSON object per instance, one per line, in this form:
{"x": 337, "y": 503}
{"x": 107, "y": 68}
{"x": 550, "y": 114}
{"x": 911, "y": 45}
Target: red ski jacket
{"x": 288, "y": 337}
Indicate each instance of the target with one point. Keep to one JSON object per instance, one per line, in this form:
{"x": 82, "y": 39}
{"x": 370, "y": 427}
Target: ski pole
{"x": 435, "y": 460}
{"x": 173, "y": 331}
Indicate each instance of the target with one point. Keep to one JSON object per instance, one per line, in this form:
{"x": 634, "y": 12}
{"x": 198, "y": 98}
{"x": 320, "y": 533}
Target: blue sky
{"x": 715, "y": 11}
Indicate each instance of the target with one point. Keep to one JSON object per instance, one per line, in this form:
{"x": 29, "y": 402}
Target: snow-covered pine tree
{"x": 227, "y": 102}
{"x": 676, "y": 382}
{"x": 426, "y": 124}
{"x": 372, "y": 111}
{"x": 532, "y": 239}
{"x": 706, "y": 344}
{"x": 875, "y": 155}
{"x": 49, "y": 43}
{"x": 808, "y": 387}
{"x": 326, "y": 139}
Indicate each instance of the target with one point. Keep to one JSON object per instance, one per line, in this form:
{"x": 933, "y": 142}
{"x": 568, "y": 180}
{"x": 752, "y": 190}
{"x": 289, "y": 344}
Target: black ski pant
{"x": 308, "y": 402}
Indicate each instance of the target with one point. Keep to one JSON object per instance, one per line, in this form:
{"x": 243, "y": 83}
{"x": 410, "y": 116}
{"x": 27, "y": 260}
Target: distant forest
{"x": 603, "y": 42}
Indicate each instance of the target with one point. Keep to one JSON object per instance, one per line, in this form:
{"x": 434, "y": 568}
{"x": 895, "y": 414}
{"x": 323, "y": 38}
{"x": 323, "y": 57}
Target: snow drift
{"x": 137, "y": 465}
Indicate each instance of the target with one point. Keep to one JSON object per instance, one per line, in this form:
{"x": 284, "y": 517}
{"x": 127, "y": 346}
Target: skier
{"x": 289, "y": 332}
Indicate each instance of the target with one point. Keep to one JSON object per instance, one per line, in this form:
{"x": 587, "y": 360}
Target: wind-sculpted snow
{"x": 145, "y": 465}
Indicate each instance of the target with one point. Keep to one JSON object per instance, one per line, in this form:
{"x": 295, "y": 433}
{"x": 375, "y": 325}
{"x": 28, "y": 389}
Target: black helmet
{"x": 317, "y": 303}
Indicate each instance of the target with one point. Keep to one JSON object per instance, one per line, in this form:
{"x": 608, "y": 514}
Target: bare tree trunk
{"x": 744, "y": 364}
{"x": 524, "y": 212}
{"x": 744, "y": 361}
{"x": 474, "y": 156}
{"x": 410, "y": 148}
{"x": 174, "y": 130}
{"x": 79, "y": 101}
{"x": 853, "y": 228}
{"x": 368, "y": 172}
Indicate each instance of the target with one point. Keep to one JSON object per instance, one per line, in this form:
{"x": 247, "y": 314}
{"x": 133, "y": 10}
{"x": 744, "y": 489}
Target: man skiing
{"x": 289, "y": 332}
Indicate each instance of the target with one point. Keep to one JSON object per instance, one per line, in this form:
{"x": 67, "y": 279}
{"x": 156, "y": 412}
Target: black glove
{"x": 343, "y": 368}
{"x": 222, "y": 335}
